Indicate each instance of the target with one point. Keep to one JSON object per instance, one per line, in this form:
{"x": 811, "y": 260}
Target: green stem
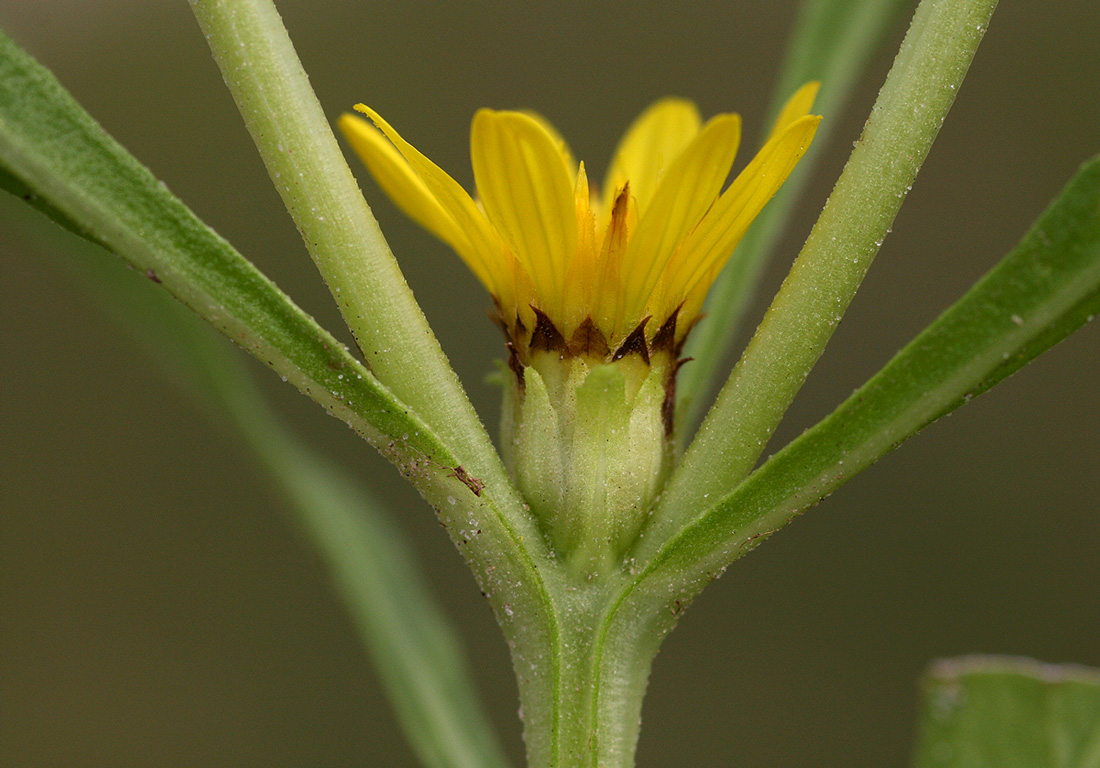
{"x": 832, "y": 42}
{"x": 904, "y": 121}
{"x": 489, "y": 524}
{"x": 598, "y": 691}
{"x": 281, "y": 111}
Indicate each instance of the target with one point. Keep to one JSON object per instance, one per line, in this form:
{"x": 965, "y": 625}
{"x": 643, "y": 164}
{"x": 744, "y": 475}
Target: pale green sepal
{"x": 588, "y": 448}
{"x": 596, "y": 502}
{"x": 619, "y": 458}
{"x": 534, "y": 448}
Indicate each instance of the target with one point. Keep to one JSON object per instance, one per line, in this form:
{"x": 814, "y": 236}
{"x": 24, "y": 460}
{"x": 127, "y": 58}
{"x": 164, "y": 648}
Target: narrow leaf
{"x": 294, "y": 137}
{"x": 57, "y": 157}
{"x": 904, "y": 122}
{"x": 832, "y": 43}
{"x": 60, "y": 155}
{"x": 411, "y": 644}
{"x": 415, "y": 651}
{"x": 1046, "y": 288}
{"x": 996, "y": 712}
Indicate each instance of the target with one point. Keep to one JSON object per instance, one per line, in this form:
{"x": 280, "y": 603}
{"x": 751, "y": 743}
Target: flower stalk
{"x": 912, "y": 105}
{"x": 282, "y": 113}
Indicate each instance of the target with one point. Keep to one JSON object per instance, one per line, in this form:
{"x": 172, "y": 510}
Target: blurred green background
{"x": 156, "y": 608}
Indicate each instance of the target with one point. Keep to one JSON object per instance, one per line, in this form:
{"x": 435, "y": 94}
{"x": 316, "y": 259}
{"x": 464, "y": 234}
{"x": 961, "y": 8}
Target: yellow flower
{"x": 595, "y": 291}
{"x": 592, "y": 274}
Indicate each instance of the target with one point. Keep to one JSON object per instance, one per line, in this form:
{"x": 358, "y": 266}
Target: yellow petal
{"x": 797, "y": 106}
{"x": 483, "y": 250}
{"x": 691, "y": 305}
{"x": 398, "y": 180}
{"x": 708, "y": 247}
{"x": 580, "y": 278}
{"x": 563, "y": 145}
{"x": 525, "y": 186}
{"x": 607, "y": 298}
{"x": 525, "y": 298}
{"x": 650, "y": 146}
{"x": 684, "y": 193}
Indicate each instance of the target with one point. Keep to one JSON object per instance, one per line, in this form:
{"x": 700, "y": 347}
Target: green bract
{"x": 589, "y": 449}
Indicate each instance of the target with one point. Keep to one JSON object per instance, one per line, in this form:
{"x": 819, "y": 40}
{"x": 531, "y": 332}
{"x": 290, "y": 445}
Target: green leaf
{"x": 905, "y": 120}
{"x": 56, "y": 152}
{"x": 1046, "y": 288}
{"x": 996, "y": 712}
{"x": 295, "y": 140}
{"x": 57, "y": 157}
{"x": 832, "y": 42}
{"x": 416, "y": 652}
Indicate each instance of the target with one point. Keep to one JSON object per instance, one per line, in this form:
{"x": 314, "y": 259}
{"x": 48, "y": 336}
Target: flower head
{"x": 596, "y": 274}
{"x": 595, "y": 290}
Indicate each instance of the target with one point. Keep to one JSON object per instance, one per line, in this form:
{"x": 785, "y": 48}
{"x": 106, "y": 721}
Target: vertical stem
{"x": 495, "y": 533}
{"x": 904, "y": 121}
{"x": 281, "y": 111}
{"x": 605, "y": 658}
{"x": 832, "y": 42}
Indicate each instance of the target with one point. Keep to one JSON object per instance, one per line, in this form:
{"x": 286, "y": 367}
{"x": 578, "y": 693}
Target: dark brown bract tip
{"x": 546, "y": 336}
{"x": 634, "y": 343}
{"x": 668, "y": 407}
{"x": 588, "y": 340}
{"x": 665, "y": 338}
